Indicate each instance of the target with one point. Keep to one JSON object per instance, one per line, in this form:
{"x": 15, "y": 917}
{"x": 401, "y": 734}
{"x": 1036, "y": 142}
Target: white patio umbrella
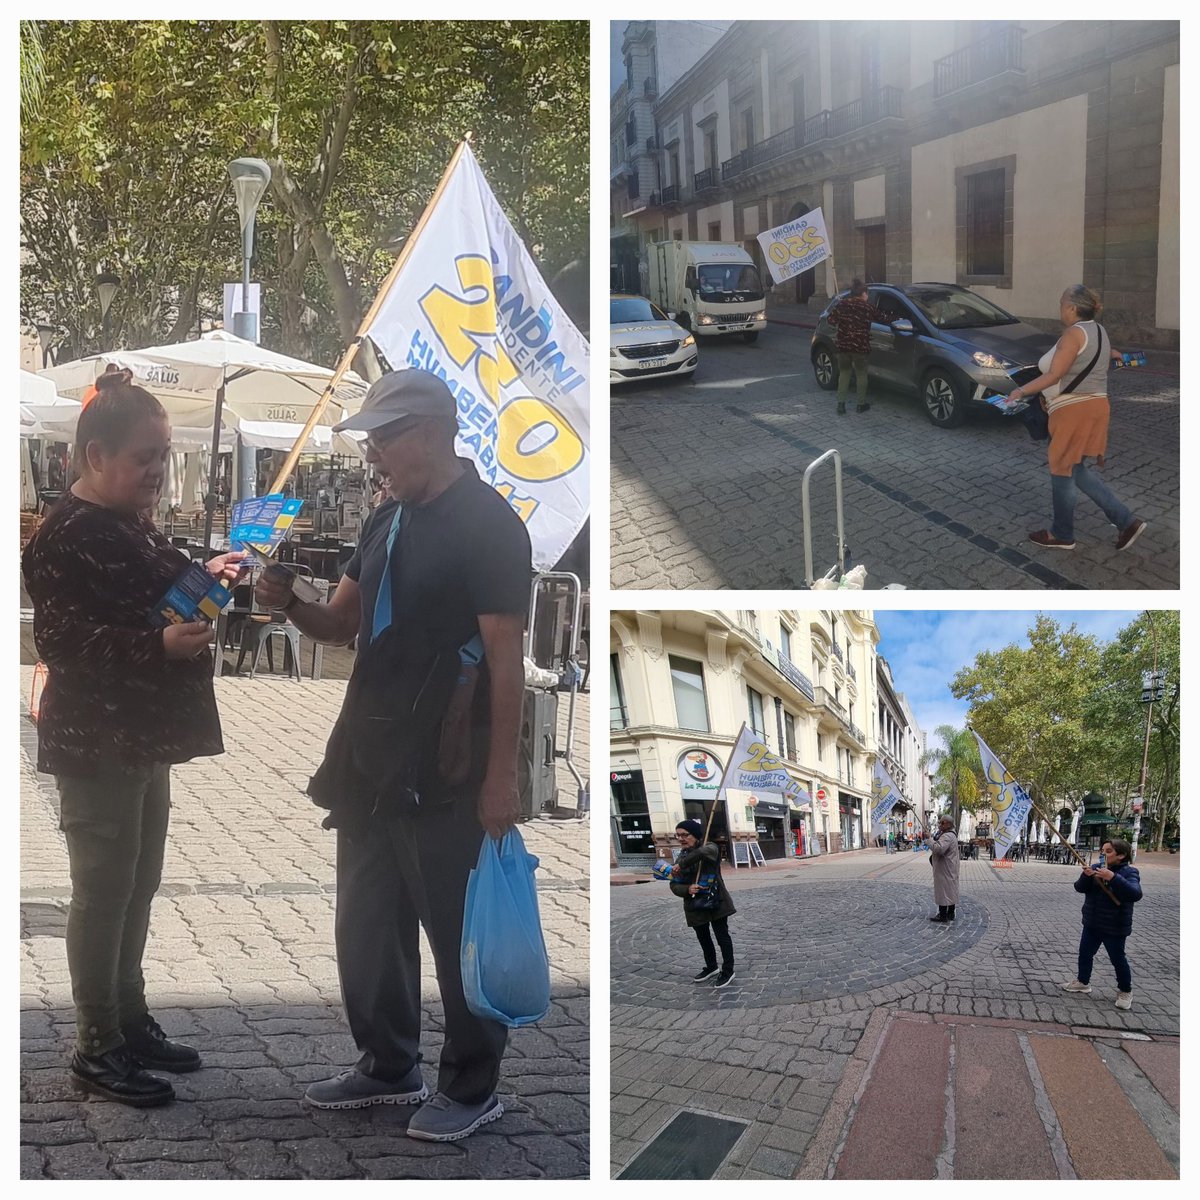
{"x": 44, "y": 413}
{"x": 219, "y": 381}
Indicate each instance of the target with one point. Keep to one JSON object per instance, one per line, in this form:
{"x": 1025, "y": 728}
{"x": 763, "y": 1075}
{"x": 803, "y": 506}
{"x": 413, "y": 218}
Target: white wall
{"x": 1166, "y": 307}
{"x": 722, "y": 212}
{"x": 869, "y": 198}
{"x": 1047, "y": 206}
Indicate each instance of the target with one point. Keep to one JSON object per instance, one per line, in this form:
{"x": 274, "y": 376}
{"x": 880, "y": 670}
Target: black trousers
{"x": 394, "y": 875}
{"x": 719, "y": 926}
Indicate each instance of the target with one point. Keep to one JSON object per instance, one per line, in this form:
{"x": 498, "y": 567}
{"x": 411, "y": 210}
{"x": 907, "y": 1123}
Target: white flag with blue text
{"x": 753, "y": 768}
{"x": 884, "y": 795}
{"x": 470, "y": 305}
{"x": 1009, "y": 800}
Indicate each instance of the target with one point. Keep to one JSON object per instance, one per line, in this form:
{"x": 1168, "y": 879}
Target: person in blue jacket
{"x": 1105, "y": 923}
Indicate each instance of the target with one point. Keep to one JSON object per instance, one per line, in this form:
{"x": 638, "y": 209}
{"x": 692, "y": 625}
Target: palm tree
{"x": 956, "y": 769}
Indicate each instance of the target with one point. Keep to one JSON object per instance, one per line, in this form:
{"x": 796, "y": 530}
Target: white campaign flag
{"x": 1010, "y": 801}
{"x": 792, "y": 248}
{"x": 884, "y": 794}
{"x": 753, "y": 768}
{"x": 470, "y": 306}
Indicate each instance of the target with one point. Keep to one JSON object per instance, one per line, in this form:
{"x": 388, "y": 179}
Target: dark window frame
{"x": 966, "y": 274}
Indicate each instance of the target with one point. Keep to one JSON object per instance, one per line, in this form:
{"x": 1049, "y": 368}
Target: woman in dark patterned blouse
{"x": 123, "y": 701}
{"x": 851, "y": 317}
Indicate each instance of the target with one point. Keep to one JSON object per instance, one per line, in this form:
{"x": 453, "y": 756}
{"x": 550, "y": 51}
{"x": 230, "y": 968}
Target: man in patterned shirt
{"x": 851, "y": 317}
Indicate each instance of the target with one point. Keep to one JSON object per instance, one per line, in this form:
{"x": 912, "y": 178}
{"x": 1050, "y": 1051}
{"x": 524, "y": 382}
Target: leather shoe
{"x": 149, "y": 1045}
{"x": 118, "y": 1076}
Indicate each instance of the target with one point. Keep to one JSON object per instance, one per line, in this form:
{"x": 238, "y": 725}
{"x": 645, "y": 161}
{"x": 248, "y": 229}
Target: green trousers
{"x": 115, "y": 823}
{"x": 859, "y": 363}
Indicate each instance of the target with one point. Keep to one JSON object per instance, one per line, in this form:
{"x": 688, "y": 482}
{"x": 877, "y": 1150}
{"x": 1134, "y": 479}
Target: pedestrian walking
{"x": 422, "y": 761}
{"x": 123, "y": 702}
{"x": 851, "y": 317}
{"x": 1078, "y": 414}
{"x": 943, "y": 854}
{"x": 707, "y": 904}
{"x": 1105, "y": 923}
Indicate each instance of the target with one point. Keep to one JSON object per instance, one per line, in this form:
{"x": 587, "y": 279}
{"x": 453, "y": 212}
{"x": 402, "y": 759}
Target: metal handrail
{"x": 806, "y": 515}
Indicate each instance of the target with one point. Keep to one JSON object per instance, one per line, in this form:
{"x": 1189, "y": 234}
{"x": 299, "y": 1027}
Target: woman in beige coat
{"x": 943, "y": 854}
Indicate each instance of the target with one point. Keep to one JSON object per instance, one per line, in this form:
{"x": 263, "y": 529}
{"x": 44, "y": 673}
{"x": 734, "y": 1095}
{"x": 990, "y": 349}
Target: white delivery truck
{"x": 713, "y": 287}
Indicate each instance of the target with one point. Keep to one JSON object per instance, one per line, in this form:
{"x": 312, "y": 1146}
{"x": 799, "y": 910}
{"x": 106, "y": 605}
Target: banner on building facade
{"x": 1010, "y": 801}
{"x": 884, "y": 795}
{"x": 469, "y": 305}
{"x": 753, "y": 768}
{"x": 795, "y": 247}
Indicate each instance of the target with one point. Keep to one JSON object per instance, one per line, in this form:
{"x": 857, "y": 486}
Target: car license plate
{"x": 652, "y": 364}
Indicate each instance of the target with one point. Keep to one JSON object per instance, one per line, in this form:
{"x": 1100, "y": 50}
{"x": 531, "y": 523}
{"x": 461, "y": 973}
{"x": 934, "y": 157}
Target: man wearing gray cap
{"x": 423, "y": 758}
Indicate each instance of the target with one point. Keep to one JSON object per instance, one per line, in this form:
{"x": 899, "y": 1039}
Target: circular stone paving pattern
{"x": 792, "y": 944}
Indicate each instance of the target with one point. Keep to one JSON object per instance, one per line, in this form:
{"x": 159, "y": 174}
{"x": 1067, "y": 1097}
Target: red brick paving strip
{"x": 1104, "y": 1134}
{"x": 900, "y": 1121}
{"x": 998, "y": 1133}
{"x": 1159, "y": 1062}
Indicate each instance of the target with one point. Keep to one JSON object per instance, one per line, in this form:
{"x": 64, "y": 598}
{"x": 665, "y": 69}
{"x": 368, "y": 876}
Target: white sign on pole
{"x": 792, "y": 248}
{"x": 233, "y": 303}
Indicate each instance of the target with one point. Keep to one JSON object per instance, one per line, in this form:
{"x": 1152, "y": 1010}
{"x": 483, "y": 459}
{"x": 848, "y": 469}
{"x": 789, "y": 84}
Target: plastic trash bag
{"x": 505, "y": 970}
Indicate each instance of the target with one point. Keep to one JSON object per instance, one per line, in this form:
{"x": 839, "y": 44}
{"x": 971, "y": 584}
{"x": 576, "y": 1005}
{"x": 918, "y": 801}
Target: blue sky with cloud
{"x": 926, "y": 650}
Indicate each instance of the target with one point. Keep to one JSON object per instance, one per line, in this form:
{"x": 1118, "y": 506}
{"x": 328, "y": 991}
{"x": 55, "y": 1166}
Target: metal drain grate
{"x": 692, "y": 1146}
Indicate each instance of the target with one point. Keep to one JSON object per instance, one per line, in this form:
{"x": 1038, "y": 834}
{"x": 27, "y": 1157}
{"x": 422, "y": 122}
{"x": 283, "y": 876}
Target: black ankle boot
{"x": 941, "y": 914}
{"x": 118, "y": 1076}
{"x": 149, "y": 1045}
{"x": 950, "y": 913}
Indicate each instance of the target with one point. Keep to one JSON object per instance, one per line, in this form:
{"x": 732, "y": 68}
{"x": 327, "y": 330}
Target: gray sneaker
{"x": 353, "y": 1089}
{"x": 445, "y": 1120}
{"x": 1075, "y": 986}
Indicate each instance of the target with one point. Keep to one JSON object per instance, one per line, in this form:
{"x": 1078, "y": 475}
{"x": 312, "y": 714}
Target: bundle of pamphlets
{"x": 194, "y": 596}
{"x": 1130, "y": 358}
{"x": 262, "y": 522}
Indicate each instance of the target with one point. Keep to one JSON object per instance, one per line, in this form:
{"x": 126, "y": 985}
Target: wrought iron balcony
{"x": 670, "y": 194}
{"x": 705, "y": 179}
{"x": 875, "y": 106}
{"x": 851, "y": 671}
{"x": 856, "y": 733}
{"x": 837, "y": 653}
{"x": 650, "y": 87}
{"x": 987, "y": 58}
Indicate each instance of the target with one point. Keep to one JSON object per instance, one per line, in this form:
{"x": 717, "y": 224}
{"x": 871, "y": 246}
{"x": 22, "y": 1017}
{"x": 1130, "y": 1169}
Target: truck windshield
{"x": 729, "y": 283}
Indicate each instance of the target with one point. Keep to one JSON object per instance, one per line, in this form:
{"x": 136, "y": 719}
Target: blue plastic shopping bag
{"x": 505, "y": 971}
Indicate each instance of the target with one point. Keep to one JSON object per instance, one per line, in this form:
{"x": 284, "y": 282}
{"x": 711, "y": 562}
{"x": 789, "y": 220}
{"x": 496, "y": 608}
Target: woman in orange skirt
{"x": 1078, "y": 415}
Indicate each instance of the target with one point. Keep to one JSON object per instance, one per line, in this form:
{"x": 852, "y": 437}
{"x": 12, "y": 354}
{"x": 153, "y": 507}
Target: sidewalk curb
{"x": 826, "y": 1142}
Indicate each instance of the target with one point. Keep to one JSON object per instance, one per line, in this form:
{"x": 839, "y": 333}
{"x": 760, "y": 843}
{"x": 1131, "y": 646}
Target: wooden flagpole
{"x": 289, "y": 464}
{"x": 1050, "y": 825}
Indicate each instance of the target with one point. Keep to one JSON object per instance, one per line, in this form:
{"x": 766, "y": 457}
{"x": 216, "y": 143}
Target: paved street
{"x": 241, "y": 964}
{"x": 706, "y": 482}
{"x": 860, "y": 1041}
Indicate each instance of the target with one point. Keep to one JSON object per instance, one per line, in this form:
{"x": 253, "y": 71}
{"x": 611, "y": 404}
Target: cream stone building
{"x": 681, "y": 686}
{"x": 1013, "y": 157}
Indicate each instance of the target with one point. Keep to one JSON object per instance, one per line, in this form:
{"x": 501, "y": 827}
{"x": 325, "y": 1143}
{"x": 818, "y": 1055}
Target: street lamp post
{"x": 1153, "y": 686}
{"x": 250, "y": 179}
{"x": 107, "y": 285}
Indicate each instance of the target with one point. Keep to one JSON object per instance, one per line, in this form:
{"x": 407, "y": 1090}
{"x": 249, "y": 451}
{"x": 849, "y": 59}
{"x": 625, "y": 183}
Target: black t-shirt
{"x": 464, "y": 553}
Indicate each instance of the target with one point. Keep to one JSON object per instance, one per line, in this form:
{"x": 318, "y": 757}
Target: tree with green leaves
{"x": 124, "y": 166}
{"x": 957, "y": 771}
{"x": 1029, "y": 704}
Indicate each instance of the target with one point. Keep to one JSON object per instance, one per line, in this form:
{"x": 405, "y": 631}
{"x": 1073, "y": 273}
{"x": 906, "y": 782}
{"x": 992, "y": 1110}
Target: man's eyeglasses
{"x": 380, "y": 438}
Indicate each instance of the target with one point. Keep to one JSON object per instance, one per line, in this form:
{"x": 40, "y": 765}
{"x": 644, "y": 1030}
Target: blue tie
{"x": 383, "y": 600}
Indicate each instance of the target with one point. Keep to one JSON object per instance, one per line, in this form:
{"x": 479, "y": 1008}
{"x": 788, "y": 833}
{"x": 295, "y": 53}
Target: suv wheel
{"x": 825, "y": 368}
{"x": 942, "y": 396}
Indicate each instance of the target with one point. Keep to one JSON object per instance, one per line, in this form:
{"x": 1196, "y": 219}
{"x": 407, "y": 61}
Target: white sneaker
{"x": 1076, "y": 986}
{"x": 1124, "y": 999}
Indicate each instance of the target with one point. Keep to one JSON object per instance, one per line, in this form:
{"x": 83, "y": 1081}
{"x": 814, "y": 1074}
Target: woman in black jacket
{"x": 697, "y": 874}
{"x": 1105, "y": 923}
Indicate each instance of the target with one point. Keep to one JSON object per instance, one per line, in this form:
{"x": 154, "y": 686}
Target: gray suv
{"x": 943, "y": 342}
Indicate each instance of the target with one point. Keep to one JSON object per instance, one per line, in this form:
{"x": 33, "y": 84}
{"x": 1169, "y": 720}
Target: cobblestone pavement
{"x": 706, "y": 483}
{"x": 832, "y": 936}
{"x": 240, "y": 962}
